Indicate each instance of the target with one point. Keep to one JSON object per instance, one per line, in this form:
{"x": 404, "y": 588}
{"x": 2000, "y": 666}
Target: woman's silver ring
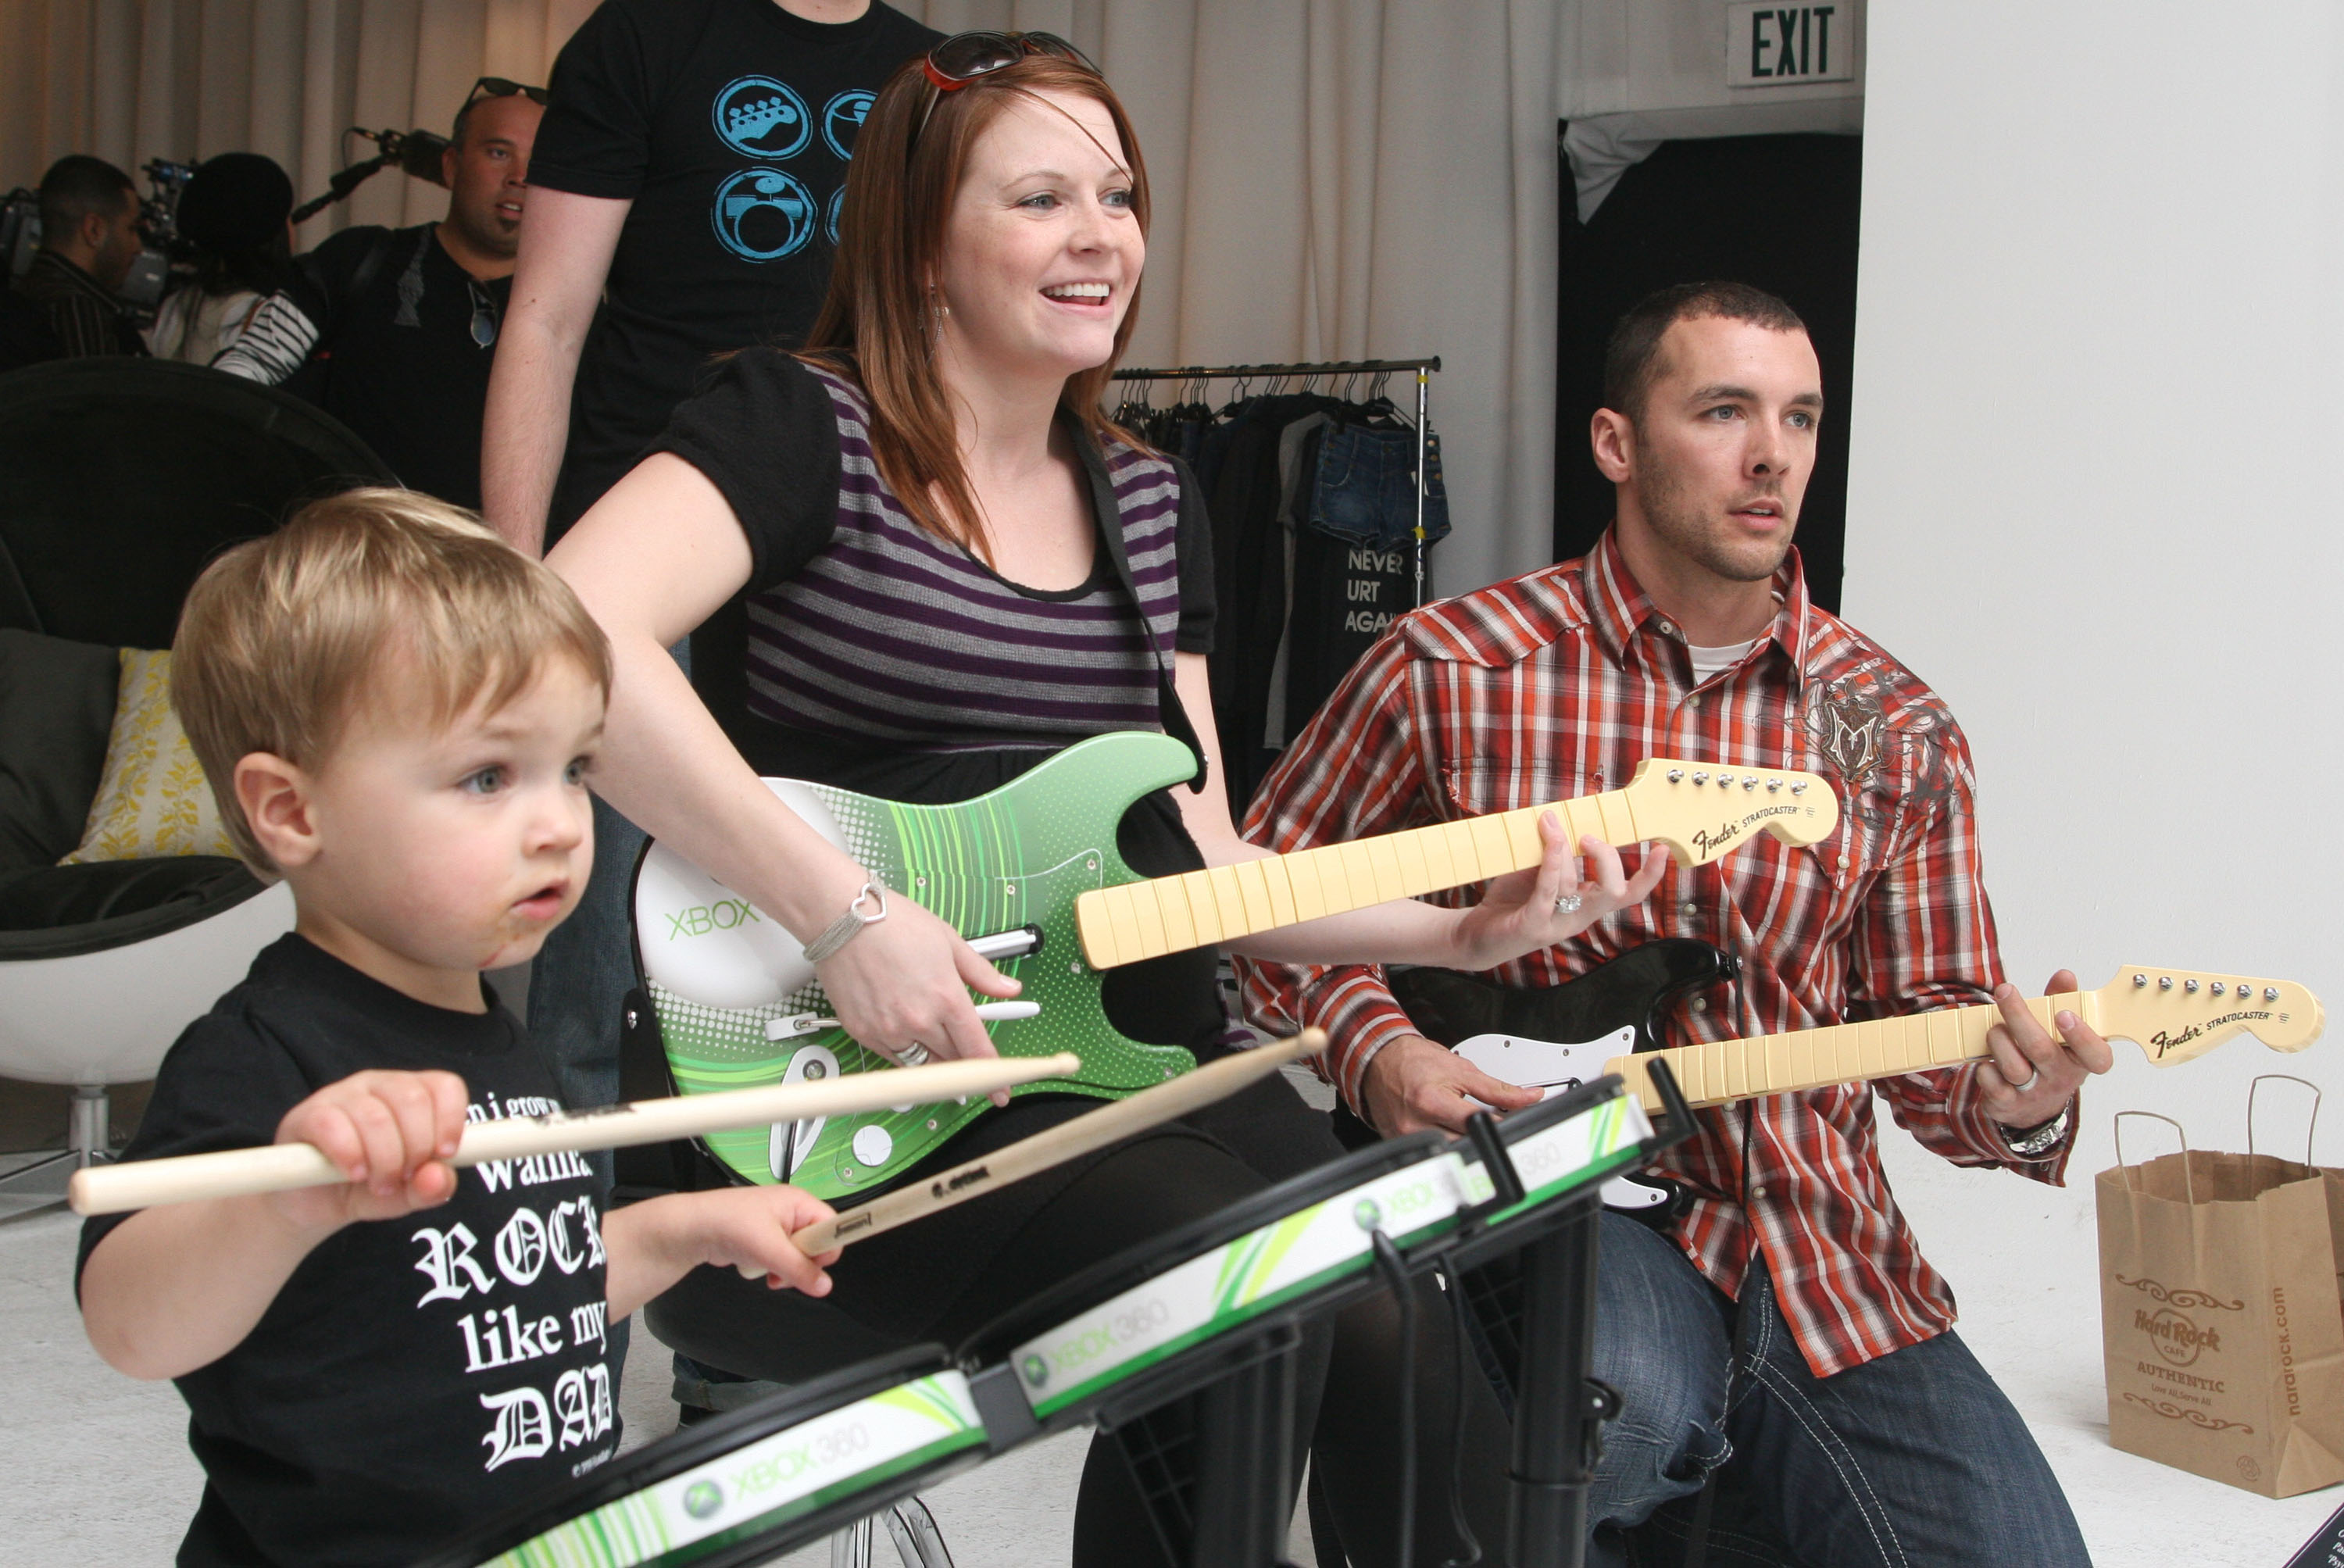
{"x": 914, "y": 1054}
{"x": 1568, "y": 903}
{"x": 2033, "y": 1079}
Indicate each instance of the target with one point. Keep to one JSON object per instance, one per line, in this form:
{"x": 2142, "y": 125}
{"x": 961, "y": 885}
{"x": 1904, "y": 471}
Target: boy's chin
{"x": 517, "y": 948}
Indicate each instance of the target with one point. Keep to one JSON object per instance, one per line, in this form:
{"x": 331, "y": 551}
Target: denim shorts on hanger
{"x": 1364, "y": 489}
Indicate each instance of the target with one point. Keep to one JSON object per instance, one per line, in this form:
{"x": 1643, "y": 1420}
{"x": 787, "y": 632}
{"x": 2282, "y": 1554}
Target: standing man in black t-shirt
{"x": 392, "y": 331}
{"x": 691, "y": 163}
{"x": 687, "y": 179}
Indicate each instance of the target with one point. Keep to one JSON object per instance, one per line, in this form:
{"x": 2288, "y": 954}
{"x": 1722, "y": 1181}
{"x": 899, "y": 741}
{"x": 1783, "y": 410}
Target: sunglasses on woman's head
{"x": 964, "y": 57}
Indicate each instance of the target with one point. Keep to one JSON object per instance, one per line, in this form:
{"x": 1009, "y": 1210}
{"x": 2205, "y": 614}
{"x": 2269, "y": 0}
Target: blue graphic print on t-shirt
{"x": 841, "y": 117}
{"x": 765, "y": 214}
{"x": 760, "y": 117}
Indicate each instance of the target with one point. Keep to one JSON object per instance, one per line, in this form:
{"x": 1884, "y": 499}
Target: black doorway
{"x": 1778, "y": 212}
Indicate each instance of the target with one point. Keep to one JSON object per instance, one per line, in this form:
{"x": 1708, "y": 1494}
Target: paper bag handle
{"x": 2255, "y": 1087}
{"x": 2188, "y": 1177}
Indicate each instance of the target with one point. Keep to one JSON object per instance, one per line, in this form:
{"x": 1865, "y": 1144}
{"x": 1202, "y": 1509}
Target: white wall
{"x": 2097, "y": 482}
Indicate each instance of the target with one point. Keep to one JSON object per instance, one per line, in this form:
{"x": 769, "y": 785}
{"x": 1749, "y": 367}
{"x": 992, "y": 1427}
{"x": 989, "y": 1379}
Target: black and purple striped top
{"x": 865, "y": 628}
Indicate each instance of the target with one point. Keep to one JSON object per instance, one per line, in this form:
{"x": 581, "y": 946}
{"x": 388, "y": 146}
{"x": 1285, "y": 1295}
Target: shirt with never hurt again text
{"x": 413, "y": 1376}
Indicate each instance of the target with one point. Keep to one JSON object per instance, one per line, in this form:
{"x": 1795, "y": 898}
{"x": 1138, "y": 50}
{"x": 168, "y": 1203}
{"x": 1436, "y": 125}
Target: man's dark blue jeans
{"x": 1912, "y": 1461}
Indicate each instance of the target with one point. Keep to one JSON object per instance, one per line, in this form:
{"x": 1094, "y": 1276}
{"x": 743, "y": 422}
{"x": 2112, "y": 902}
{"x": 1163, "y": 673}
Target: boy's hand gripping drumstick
{"x": 282, "y": 1166}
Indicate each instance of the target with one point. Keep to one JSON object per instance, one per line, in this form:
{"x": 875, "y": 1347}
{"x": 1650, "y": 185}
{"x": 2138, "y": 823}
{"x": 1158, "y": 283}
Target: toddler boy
{"x": 397, "y": 713}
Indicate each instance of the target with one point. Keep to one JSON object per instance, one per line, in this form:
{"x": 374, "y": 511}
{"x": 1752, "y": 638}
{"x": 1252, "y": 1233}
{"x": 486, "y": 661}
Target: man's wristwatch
{"x": 2035, "y": 1142}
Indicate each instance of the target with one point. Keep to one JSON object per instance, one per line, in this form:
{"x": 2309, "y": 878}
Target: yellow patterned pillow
{"x": 153, "y": 799}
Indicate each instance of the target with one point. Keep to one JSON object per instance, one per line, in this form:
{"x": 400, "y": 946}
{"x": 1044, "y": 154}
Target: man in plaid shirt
{"x": 1861, "y": 1430}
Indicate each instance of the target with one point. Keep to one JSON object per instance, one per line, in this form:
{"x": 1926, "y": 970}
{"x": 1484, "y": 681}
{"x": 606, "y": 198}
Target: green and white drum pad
{"x": 1178, "y": 1311}
{"x": 748, "y": 1486}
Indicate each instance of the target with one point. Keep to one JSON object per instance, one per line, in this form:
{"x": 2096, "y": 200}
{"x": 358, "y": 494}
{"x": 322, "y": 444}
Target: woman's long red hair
{"x": 874, "y": 323}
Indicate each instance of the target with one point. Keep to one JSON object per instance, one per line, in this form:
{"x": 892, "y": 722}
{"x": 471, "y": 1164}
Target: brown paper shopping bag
{"x": 2219, "y": 1315}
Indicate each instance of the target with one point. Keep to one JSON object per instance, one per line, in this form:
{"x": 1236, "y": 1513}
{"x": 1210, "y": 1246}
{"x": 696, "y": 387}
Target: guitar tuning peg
{"x": 1700, "y": 778}
{"x": 2270, "y": 993}
{"x": 2218, "y": 988}
{"x": 2190, "y": 986}
{"x": 1748, "y": 782}
{"x": 2165, "y": 982}
{"x": 1725, "y": 781}
{"x": 1676, "y": 775}
{"x": 1773, "y": 784}
{"x": 2140, "y": 979}
{"x": 1799, "y": 788}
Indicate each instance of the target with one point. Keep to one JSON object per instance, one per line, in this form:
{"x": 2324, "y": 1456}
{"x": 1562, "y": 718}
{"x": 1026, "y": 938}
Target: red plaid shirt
{"x": 1558, "y": 684}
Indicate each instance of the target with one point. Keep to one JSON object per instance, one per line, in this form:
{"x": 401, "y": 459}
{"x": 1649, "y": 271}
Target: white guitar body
{"x": 1556, "y": 1069}
{"x": 746, "y": 958}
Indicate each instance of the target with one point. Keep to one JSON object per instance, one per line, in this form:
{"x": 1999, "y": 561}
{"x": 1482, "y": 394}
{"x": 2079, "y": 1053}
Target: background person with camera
{"x": 392, "y": 331}
{"x": 232, "y": 217}
{"x": 89, "y": 238}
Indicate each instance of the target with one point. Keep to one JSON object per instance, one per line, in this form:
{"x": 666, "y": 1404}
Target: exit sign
{"x": 1787, "y": 46}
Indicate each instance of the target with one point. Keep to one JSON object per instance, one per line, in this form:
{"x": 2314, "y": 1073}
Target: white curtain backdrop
{"x": 1333, "y": 179}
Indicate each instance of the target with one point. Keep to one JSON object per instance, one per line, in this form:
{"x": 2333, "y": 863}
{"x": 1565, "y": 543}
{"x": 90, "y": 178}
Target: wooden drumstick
{"x": 280, "y": 1166}
{"x": 1029, "y": 1156}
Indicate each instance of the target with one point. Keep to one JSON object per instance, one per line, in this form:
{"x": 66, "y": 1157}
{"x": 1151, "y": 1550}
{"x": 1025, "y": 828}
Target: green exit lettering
{"x": 1791, "y": 41}
{"x": 702, "y": 918}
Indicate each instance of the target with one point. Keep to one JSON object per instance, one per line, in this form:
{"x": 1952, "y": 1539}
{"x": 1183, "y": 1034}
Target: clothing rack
{"x": 1422, "y": 370}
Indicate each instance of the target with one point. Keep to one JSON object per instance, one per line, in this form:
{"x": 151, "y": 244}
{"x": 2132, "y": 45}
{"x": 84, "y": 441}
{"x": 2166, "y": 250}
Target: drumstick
{"x": 279, "y": 1167}
{"x": 1029, "y": 1156}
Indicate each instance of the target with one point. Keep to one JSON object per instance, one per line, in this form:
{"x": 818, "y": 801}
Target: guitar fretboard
{"x": 1136, "y": 920}
{"x": 1721, "y": 1071}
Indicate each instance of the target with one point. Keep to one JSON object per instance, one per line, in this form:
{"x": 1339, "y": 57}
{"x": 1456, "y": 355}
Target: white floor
{"x": 98, "y": 1470}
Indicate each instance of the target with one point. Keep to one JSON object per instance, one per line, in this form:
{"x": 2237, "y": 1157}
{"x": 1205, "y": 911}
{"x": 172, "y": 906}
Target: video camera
{"x": 158, "y": 226}
{"x": 20, "y": 229}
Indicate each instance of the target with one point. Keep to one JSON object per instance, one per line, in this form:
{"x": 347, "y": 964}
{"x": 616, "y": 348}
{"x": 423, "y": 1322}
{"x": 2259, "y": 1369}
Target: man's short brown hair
{"x": 283, "y": 639}
{"x": 1631, "y": 358}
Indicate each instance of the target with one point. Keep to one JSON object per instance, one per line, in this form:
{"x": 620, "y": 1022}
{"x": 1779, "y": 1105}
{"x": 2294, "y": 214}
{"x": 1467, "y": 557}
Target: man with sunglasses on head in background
{"x": 392, "y": 331}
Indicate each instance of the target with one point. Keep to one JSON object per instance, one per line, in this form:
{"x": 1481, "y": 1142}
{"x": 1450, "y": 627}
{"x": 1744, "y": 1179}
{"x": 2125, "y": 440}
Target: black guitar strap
{"x": 1168, "y": 706}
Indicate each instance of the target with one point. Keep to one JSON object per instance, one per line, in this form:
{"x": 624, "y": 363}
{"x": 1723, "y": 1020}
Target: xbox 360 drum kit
{"x": 1217, "y": 1309}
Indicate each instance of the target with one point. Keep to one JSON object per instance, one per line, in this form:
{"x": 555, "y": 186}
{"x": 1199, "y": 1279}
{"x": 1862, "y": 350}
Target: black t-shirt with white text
{"x": 415, "y": 1376}
{"x": 728, "y": 123}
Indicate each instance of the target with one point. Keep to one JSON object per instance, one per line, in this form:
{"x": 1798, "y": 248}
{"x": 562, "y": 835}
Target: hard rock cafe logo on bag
{"x": 2179, "y": 1341}
{"x": 2177, "y": 1338}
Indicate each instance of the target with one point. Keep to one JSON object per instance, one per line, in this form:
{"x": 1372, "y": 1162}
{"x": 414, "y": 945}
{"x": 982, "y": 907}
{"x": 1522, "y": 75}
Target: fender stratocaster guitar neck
{"x": 2171, "y": 1014}
{"x": 1700, "y": 811}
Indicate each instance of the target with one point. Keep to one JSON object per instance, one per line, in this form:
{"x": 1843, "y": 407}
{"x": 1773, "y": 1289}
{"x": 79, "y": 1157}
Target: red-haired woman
{"x": 954, "y": 566}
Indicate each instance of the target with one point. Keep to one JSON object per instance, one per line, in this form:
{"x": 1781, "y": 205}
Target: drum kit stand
{"x": 1218, "y": 1310}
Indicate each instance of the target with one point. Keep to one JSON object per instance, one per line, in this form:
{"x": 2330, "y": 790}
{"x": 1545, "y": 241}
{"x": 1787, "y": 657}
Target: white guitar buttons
{"x": 873, "y": 1144}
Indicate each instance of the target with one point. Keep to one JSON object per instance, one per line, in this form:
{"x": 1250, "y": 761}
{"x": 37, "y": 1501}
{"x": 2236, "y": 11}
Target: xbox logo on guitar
{"x": 702, "y": 918}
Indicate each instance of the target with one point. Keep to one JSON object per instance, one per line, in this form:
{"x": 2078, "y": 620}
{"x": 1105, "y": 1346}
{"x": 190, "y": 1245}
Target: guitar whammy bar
{"x": 1217, "y": 1306}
